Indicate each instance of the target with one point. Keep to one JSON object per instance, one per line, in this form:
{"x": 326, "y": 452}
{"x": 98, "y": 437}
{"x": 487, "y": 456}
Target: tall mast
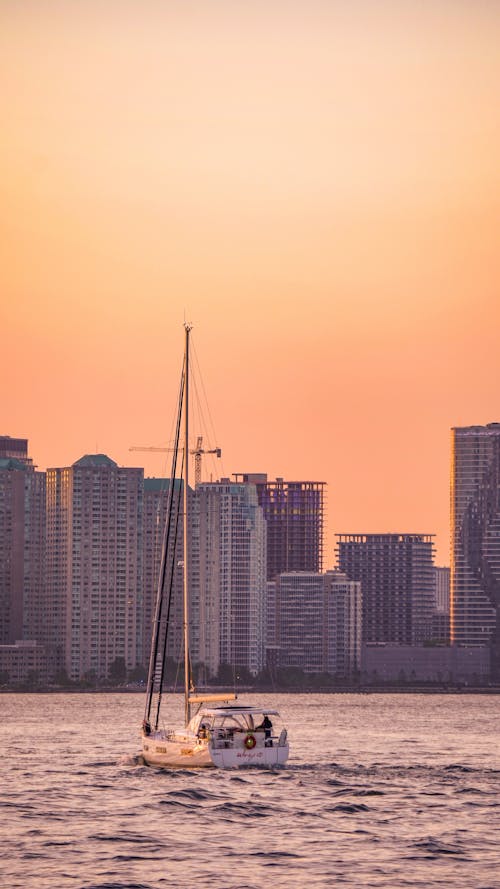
{"x": 187, "y": 670}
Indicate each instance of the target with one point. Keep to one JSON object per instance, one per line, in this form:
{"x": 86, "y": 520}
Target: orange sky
{"x": 314, "y": 184}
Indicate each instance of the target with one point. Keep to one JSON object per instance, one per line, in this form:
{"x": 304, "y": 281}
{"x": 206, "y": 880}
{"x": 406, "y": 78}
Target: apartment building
{"x": 294, "y": 514}
{"x": 230, "y": 550}
{"x": 397, "y": 583}
{"x": 94, "y": 564}
{"x": 22, "y": 543}
{"x": 317, "y": 622}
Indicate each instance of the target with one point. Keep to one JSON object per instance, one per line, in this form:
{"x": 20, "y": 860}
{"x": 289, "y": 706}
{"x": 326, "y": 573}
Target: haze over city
{"x": 314, "y": 186}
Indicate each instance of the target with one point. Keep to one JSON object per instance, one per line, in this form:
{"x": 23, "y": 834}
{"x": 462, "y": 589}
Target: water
{"x": 381, "y": 791}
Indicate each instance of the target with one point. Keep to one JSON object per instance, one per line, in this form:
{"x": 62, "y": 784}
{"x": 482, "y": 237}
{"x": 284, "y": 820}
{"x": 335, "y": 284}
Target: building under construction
{"x": 294, "y": 512}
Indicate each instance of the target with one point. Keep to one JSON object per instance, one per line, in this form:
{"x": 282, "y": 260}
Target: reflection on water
{"x": 380, "y": 790}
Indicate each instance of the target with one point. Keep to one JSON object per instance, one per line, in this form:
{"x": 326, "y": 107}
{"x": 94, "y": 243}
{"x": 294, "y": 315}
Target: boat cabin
{"x": 237, "y": 727}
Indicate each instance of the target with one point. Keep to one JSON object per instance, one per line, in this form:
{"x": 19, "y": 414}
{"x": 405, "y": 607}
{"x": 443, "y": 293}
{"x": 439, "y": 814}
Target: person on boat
{"x": 203, "y": 731}
{"x": 265, "y": 726}
{"x": 146, "y": 727}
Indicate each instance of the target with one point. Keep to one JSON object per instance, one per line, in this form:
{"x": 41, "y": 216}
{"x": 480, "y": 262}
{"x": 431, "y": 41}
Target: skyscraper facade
{"x": 300, "y": 618}
{"x": 22, "y": 545}
{"x": 343, "y": 625}
{"x": 442, "y": 589}
{"x": 294, "y": 514}
{"x": 441, "y": 613}
{"x": 94, "y": 564}
{"x": 397, "y": 583}
{"x": 12, "y": 539}
{"x": 231, "y": 580}
{"x": 475, "y": 536}
{"x": 317, "y": 622}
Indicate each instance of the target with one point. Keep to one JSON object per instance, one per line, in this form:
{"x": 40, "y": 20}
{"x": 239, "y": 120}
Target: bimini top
{"x": 238, "y": 711}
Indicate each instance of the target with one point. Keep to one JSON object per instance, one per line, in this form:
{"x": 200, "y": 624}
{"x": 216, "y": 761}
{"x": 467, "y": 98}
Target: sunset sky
{"x": 313, "y": 183}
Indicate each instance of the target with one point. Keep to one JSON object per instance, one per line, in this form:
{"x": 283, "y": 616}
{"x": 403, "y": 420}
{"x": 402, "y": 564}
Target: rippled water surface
{"x": 380, "y": 791}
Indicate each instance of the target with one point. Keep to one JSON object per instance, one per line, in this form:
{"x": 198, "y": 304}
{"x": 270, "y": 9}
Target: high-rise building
{"x": 34, "y": 556}
{"x": 343, "y": 625}
{"x": 440, "y": 620}
{"x": 15, "y": 448}
{"x": 442, "y": 589}
{"x": 318, "y": 623}
{"x": 397, "y": 583}
{"x": 22, "y": 541}
{"x": 230, "y": 548}
{"x": 475, "y": 536}
{"x": 300, "y": 620}
{"x": 94, "y": 564}
{"x": 294, "y": 513}
{"x": 12, "y": 541}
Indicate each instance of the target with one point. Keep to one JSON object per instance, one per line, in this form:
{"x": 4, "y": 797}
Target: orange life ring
{"x": 250, "y": 742}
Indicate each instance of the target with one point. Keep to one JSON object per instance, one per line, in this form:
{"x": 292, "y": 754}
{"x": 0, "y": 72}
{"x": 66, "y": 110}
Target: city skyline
{"x": 327, "y": 545}
{"x": 315, "y": 187}
{"x": 81, "y": 548}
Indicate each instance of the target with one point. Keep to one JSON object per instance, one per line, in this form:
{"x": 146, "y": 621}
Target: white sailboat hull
{"x": 237, "y": 758}
{"x": 175, "y": 750}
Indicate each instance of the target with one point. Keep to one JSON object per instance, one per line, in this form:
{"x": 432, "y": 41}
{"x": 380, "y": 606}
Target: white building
{"x": 94, "y": 564}
{"x": 441, "y": 589}
{"x": 343, "y": 625}
{"x": 229, "y": 546}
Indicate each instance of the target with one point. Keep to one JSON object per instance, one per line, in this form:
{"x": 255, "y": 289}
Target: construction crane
{"x": 197, "y": 453}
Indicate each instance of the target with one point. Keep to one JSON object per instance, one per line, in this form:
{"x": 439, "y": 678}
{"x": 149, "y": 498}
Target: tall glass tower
{"x": 475, "y": 536}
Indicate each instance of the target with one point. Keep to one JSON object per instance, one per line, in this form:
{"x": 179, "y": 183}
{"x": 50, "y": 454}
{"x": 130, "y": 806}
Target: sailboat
{"x": 228, "y": 735}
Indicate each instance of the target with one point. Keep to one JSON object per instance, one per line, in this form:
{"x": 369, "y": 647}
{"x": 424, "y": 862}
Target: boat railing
{"x": 166, "y": 734}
